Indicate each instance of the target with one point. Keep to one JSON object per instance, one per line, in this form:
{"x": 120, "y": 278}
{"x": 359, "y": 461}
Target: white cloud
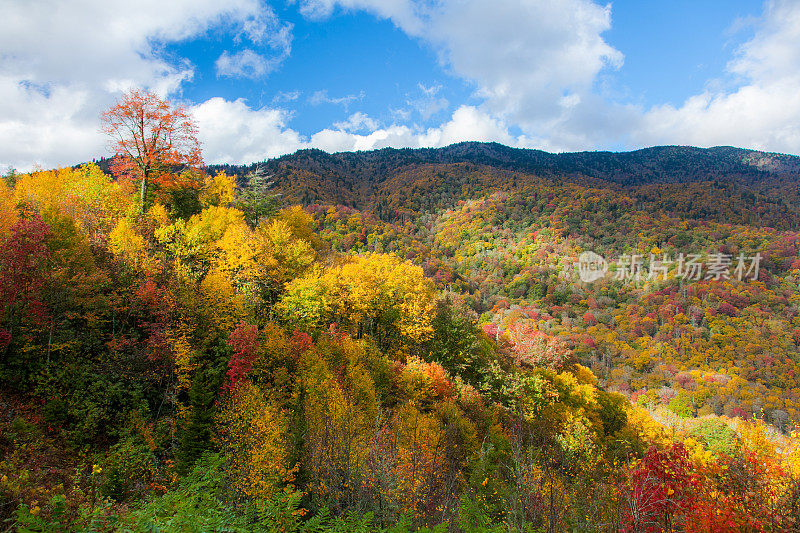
{"x": 466, "y": 124}
{"x": 62, "y": 63}
{"x": 527, "y": 58}
{"x": 244, "y": 64}
{"x": 536, "y": 64}
{"x": 763, "y": 112}
{"x": 402, "y": 115}
{"x": 264, "y": 28}
{"x": 357, "y": 122}
{"x": 773, "y": 52}
{"x": 53, "y": 123}
{"x": 429, "y": 103}
{"x": 406, "y": 14}
{"x": 322, "y": 97}
{"x": 340, "y": 141}
{"x": 283, "y": 97}
{"x": 232, "y": 132}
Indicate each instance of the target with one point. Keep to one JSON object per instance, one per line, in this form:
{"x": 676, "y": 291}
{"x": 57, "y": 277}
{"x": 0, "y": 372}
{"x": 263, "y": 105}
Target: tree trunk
{"x": 144, "y": 182}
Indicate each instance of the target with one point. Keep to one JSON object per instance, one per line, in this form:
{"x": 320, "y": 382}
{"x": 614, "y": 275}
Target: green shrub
{"x": 717, "y": 436}
{"x": 681, "y": 405}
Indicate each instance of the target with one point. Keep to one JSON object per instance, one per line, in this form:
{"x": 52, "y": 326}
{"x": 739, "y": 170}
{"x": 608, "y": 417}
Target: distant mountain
{"x": 660, "y": 164}
{"x": 392, "y": 181}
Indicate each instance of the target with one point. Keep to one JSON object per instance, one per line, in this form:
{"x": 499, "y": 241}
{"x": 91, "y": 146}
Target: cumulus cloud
{"x": 762, "y": 112}
{"x": 232, "y": 132}
{"x": 534, "y": 63}
{"x": 357, "y": 122}
{"x": 45, "y": 126}
{"x": 467, "y": 123}
{"x": 64, "y": 62}
{"x": 534, "y": 66}
{"x": 761, "y": 109}
{"x": 45, "y": 102}
{"x": 341, "y": 141}
{"x": 525, "y": 56}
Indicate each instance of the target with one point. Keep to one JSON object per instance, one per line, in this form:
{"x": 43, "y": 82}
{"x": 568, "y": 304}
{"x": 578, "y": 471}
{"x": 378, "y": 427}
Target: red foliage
{"x": 440, "y": 382}
{"x": 660, "y": 490}
{"x": 535, "y": 348}
{"x": 151, "y": 138}
{"x": 740, "y": 494}
{"x": 244, "y": 341}
{"x": 336, "y": 334}
{"x": 156, "y": 303}
{"x": 532, "y": 313}
{"x": 5, "y": 339}
{"x": 301, "y": 341}
{"x": 683, "y": 379}
{"x": 22, "y": 260}
{"x": 502, "y": 304}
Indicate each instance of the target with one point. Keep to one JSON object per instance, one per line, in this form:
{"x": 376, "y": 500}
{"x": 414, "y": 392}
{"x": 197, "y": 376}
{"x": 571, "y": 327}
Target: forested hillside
{"x": 366, "y": 180}
{"x": 402, "y": 340}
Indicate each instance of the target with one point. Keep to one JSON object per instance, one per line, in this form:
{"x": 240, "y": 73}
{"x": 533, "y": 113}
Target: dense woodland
{"x": 398, "y": 340}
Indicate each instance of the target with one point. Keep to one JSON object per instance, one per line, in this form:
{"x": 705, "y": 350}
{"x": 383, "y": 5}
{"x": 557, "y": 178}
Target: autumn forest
{"x": 398, "y": 340}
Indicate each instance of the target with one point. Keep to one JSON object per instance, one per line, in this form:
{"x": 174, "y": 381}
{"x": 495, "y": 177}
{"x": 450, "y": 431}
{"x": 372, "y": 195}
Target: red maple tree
{"x": 23, "y": 257}
{"x": 151, "y": 139}
{"x": 245, "y": 344}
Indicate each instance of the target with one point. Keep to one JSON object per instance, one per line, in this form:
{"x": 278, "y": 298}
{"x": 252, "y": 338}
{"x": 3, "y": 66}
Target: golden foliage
{"x": 8, "y": 210}
{"x": 86, "y": 193}
{"x": 218, "y": 190}
{"x": 126, "y": 244}
{"x": 251, "y": 432}
{"x": 374, "y": 293}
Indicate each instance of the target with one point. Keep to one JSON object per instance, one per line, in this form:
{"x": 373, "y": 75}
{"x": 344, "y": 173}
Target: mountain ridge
{"x": 729, "y": 158}
{"x": 393, "y": 181}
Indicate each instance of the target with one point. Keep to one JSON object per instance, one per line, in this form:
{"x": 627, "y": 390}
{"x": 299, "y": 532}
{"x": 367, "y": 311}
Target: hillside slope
{"x": 396, "y": 182}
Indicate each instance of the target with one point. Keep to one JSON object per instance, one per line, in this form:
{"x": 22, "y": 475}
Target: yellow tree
{"x": 8, "y": 210}
{"x": 374, "y": 294}
{"x": 251, "y": 432}
{"x": 219, "y": 189}
{"x": 340, "y": 409}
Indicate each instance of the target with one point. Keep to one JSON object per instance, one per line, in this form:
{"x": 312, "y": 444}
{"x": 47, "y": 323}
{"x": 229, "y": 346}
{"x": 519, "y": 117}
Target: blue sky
{"x": 671, "y": 51}
{"x": 265, "y": 78}
{"x": 369, "y": 63}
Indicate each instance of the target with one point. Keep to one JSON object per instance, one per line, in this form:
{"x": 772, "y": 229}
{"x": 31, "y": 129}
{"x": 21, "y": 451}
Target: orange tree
{"x": 151, "y": 139}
